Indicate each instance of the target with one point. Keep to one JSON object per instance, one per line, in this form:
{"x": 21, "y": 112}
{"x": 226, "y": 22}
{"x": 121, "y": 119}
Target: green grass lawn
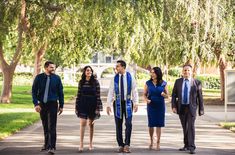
{"x": 14, "y": 121}
{"x": 20, "y": 112}
{"x": 212, "y": 96}
{"x": 228, "y": 125}
{"x": 211, "y": 93}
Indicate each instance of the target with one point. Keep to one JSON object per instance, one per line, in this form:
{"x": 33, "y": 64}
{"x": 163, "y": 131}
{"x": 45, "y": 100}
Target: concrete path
{"x": 210, "y": 138}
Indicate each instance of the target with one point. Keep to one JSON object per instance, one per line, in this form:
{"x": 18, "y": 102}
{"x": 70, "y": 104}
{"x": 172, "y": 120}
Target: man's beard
{"x": 52, "y": 71}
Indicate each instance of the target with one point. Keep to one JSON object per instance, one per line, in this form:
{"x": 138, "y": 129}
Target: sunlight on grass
{"x": 13, "y": 122}
{"x": 20, "y": 112}
{"x": 228, "y": 125}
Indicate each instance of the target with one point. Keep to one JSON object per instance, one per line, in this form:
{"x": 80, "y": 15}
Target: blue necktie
{"x": 122, "y": 88}
{"x": 185, "y": 91}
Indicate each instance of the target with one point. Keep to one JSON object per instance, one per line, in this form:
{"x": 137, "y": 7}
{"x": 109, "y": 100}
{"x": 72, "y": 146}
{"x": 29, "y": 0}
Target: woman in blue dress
{"x": 155, "y": 90}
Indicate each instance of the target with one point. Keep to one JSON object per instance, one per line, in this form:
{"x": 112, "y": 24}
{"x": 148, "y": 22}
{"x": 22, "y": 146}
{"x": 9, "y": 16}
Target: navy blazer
{"x": 55, "y": 89}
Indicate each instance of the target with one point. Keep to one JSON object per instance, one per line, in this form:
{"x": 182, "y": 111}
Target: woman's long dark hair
{"x": 92, "y": 79}
{"x": 158, "y": 72}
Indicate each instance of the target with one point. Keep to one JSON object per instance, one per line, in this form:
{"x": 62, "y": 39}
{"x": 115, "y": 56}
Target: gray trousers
{"x": 188, "y": 125}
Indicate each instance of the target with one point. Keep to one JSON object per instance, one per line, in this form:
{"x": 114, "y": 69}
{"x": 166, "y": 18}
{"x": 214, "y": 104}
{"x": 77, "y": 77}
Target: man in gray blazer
{"x": 186, "y": 98}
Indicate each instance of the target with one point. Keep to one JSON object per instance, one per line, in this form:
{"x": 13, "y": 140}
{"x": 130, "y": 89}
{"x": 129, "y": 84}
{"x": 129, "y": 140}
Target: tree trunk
{"x": 222, "y": 67}
{"x": 8, "y": 69}
{"x": 38, "y": 60}
{"x": 196, "y": 67}
{"x": 188, "y": 62}
{"x": 7, "y": 84}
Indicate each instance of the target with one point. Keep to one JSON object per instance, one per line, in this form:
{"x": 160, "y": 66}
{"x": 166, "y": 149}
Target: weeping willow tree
{"x": 157, "y": 32}
{"x": 213, "y": 22}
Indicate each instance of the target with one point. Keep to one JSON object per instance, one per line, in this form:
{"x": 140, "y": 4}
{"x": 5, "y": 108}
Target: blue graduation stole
{"x": 118, "y": 112}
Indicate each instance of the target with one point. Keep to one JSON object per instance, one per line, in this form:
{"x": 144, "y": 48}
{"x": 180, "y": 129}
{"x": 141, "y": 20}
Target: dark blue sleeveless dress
{"x": 156, "y": 108}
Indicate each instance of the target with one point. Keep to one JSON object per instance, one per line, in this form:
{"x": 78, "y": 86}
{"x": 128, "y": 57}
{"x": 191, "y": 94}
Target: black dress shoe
{"x": 192, "y": 151}
{"x": 183, "y": 149}
{"x": 51, "y": 151}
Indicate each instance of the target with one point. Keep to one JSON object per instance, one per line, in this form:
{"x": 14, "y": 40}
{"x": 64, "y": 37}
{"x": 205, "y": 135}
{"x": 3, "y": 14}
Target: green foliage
{"x": 209, "y": 82}
{"x": 22, "y": 78}
{"x": 9, "y": 16}
{"x": 176, "y": 72}
{"x": 141, "y": 79}
{"x": 108, "y": 72}
{"x": 146, "y": 32}
{"x": 141, "y": 75}
{"x": 26, "y": 74}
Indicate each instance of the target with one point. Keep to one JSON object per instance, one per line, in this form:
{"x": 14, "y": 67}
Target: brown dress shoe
{"x": 120, "y": 149}
{"x": 126, "y": 149}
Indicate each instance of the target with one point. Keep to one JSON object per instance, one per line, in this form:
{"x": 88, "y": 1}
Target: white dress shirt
{"x": 134, "y": 91}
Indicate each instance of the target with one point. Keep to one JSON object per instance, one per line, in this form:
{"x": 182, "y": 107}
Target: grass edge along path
{"x": 13, "y": 122}
{"x": 228, "y": 125}
{"x": 17, "y": 115}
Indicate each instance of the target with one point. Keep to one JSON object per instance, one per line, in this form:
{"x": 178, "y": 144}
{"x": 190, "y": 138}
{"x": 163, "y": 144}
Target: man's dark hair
{"x": 123, "y": 63}
{"x": 47, "y": 63}
{"x": 187, "y": 65}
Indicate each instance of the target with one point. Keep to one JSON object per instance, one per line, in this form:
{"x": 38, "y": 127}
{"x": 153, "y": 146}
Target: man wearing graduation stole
{"x": 123, "y": 92}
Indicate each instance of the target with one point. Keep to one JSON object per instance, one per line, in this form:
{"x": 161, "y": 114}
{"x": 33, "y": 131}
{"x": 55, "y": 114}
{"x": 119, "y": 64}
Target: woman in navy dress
{"x": 88, "y": 104}
{"x": 155, "y": 90}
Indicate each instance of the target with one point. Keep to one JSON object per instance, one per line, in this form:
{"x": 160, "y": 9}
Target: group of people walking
{"x": 122, "y": 100}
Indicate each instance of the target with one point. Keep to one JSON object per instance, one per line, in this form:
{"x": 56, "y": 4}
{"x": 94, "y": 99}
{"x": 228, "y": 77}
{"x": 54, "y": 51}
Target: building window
{"x": 95, "y": 58}
{"x": 108, "y": 59}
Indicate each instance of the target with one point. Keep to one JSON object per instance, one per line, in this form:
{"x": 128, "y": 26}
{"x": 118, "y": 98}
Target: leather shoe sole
{"x": 183, "y": 149}
{"x": 192, "y": 152}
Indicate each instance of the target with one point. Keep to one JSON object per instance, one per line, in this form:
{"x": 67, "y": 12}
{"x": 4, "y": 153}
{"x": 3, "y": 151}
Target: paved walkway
{"x": 210, "y": 138}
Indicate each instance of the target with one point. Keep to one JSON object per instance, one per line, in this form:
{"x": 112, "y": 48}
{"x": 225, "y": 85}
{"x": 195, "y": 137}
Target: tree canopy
{"x": 158, "y": 32}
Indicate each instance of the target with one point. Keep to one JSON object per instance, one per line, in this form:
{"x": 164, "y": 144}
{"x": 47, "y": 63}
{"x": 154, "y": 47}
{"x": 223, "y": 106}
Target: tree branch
{"x": 3, "y": 62}
{"x": 22, "y": 17}
{"x": 51, "y": 7}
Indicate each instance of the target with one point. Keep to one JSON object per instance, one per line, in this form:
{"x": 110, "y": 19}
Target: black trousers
{"x": 48, "y": 116}
{"x": 188, "y": 124}
{"x": 119, "y": 122}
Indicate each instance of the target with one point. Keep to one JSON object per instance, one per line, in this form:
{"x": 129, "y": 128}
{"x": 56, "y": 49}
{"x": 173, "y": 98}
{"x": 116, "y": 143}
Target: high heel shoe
{"x": 150, "y": 146}
{"x": 158, "y": 146}
{"x": 80, "y": 150}
{"x": 91, "y": 148}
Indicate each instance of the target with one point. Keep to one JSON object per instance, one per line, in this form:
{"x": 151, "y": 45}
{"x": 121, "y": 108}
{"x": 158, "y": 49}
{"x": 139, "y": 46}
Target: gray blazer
{"x": 196, "y": 99}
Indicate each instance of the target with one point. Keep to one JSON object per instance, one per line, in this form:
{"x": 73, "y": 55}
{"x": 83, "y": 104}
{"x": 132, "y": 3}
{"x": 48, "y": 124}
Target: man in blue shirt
{"x": 46, "y": 90}
{"x": 186, "y": 99}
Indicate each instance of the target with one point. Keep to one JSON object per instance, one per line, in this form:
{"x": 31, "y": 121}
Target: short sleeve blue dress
{"x": 156, "y": 108}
